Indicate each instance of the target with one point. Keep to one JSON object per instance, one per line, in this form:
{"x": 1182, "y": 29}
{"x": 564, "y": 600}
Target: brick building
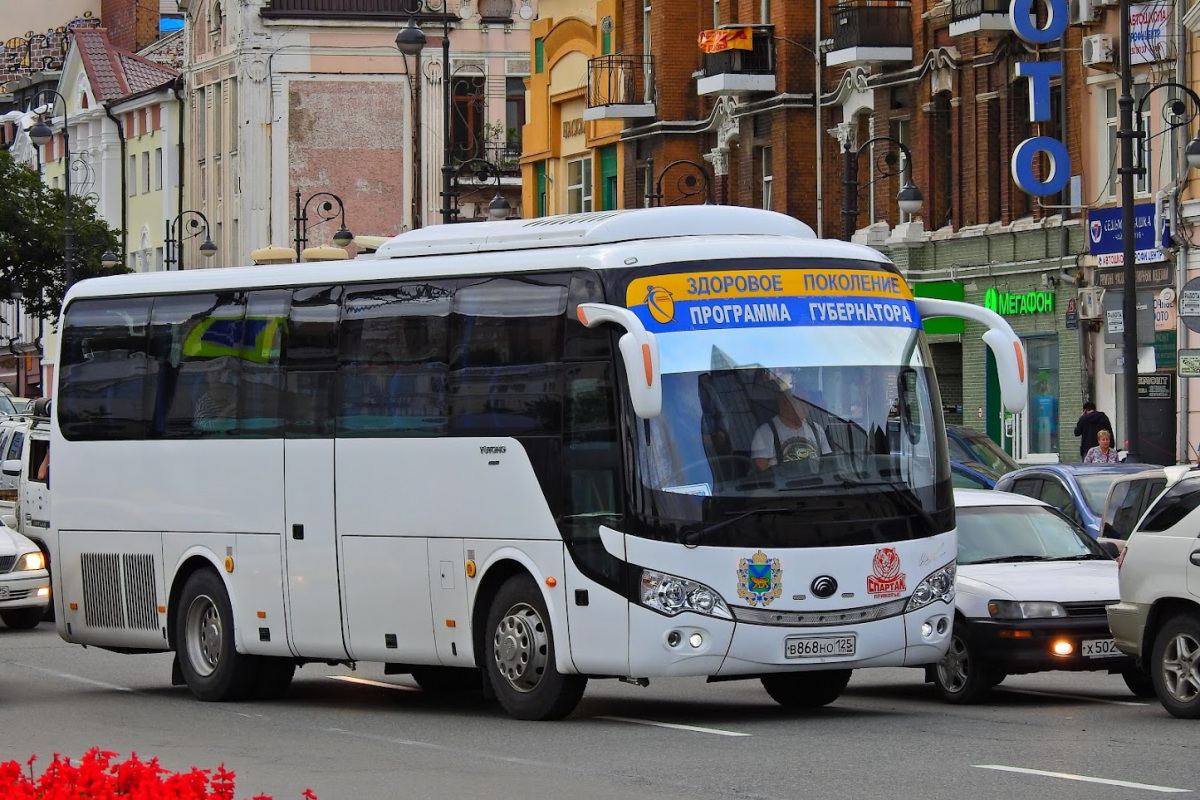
{"x": 806, "y": 112}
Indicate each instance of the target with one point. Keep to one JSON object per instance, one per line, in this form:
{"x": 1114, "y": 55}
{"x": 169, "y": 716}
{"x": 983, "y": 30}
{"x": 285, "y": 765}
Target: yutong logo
{"x": 491, "y": 450}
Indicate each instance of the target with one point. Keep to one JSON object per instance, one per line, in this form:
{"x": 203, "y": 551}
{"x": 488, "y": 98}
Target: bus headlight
{"x": 937, "y": 586}
{"x": 671, "y": 595}
{"x": 31, "y": 561}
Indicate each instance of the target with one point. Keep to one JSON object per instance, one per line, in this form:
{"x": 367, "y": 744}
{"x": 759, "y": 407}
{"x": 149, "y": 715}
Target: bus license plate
{"x": 1100, "y": 648}
{"x": 819, "y": 646}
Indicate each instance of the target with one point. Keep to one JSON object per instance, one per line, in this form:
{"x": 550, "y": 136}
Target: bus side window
{"x": 310, "y": 359}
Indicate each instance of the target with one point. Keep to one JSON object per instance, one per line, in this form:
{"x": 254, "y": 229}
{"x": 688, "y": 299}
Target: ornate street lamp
{"x": 173, "y": 245}
{"x": 691, "y": 180}
{"x": 40, "y": 134}
{"x": 325, "y": 212}
{"x": 909, "y": 199}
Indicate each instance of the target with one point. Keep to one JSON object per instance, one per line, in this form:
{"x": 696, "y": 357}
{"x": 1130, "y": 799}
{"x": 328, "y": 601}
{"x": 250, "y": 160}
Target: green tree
{"x": 32, "y": 225}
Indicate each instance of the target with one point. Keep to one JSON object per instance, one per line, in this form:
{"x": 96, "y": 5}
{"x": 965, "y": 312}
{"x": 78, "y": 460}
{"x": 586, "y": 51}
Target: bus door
{"x": 310, "y": 550}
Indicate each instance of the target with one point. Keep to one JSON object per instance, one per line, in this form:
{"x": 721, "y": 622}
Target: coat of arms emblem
{"x": 759, "y": 579}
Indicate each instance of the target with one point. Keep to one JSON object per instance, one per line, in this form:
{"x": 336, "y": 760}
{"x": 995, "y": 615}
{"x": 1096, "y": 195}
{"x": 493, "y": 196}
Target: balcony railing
{"x": 506, "y": 157}
{"x": 759, "y": 61}
{"x": 969, "y": 9}
{"x": 864, "y": 24}
{"x": 620, "y": 80}
{"x": 354, "y": 9}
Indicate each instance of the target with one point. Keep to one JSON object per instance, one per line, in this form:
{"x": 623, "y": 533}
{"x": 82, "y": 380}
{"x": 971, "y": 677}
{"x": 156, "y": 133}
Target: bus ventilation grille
{"x": 119, "y": 591}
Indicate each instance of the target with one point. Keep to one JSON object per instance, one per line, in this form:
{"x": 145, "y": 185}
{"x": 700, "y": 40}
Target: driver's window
{"x": 1054, "y": 493}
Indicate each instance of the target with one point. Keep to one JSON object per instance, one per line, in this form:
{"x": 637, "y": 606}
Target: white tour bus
{"x": 677, "y": 441}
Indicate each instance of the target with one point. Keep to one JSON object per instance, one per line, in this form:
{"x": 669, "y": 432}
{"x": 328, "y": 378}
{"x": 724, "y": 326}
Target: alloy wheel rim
{"x": 1181, "y": 668}
{"x": 521, "y": 650}
{"x": 204, "y": 635}
{"x": 952, "y": 670}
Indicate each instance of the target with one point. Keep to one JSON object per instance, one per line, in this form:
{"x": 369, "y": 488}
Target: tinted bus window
{"x": 107, "y": 376}
{"x": 310, "y": 361}
{"x": 392, "y": 355}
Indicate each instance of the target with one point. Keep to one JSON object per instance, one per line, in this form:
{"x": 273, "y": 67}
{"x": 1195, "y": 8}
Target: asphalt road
{"x": 360, "y": 735}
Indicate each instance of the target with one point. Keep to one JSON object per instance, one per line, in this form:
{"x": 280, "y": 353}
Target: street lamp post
{"x": 691, "y": 181}
{"x": 40, "y": 134}
{"x": 410, "y": 41}
{"x": 909, "y": 198}
{"x": 173, "y": 245}
{"x": 482, "y": 171}
{"x": 325, "y": 211}
{"x": 1175, "y": 116}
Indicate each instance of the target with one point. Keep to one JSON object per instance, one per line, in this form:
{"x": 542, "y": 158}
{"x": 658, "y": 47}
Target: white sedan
{"x": 1031, "y": 593}
{"x": 24, "y": 580}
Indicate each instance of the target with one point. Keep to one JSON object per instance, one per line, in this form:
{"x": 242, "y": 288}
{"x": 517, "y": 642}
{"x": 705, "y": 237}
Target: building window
{"x": 233, "y": 115}
{"x": 131, "y": 177}
{"x": 1042, "y": 353}
{"x": 579, "y": 185}
{"x": 201, "y": 123}
{"x": 218, "y": 119}
{"x": 514, "y": 119}
{"x": 768, "y": 177}
{"x": 1141, "y": 183}
{"x": 158, "y": 168}
{"x": 608, "y": 177}
{"x": 994, "y": 158}
{"x": 468, "y": 113}
{"x": 942, "y": 164}
{"x": 145, "y": 173}
{"x": 901, "y": 132}
{"x": 539, "y": 55}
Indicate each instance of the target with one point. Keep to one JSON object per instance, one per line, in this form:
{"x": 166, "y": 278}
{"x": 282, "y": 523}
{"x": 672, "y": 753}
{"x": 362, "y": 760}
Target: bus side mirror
{"x": 1006, "y": 347}
{"x": 639, "y": 350}
{"x": 11, "y": 466}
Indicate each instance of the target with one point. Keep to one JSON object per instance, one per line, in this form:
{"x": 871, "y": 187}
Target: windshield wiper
{"x": 1080, "y": 557}
{"x": 691, "y": 537}
{"x": 902, "y": 491}
{"x": 1010, "y": 559}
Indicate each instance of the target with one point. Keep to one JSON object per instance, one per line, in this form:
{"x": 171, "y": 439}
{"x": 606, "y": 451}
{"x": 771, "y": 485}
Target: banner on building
{"x": 719, "y": 41}
{"x": 1149, "y": 32}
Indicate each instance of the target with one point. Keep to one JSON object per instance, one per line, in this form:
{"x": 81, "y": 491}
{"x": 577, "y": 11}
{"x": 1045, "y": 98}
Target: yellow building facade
{"x": 569, "y": 164}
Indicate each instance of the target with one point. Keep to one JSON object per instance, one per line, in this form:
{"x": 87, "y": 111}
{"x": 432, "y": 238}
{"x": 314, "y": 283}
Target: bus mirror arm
{"x": 639, "y": 350}
{"x": 1004, "y": 343}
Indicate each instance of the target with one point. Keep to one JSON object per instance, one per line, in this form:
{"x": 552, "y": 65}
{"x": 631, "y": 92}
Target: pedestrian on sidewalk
{"x": 1090, "y": 423}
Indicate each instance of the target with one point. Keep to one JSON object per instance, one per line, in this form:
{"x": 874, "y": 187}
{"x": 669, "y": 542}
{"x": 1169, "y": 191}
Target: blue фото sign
{"x": 1105, "y": 242}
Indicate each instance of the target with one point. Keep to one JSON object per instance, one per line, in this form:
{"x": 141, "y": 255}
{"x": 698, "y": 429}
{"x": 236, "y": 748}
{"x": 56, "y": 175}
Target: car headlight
{"x": 28, "y": 561}
{"x": 672, "y": 595}
{"x": 937, "y": 586}
{"x": 1015, "y": 609}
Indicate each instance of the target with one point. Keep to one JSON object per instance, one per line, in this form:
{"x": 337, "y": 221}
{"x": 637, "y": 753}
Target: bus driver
{"x": 790, "y": 436}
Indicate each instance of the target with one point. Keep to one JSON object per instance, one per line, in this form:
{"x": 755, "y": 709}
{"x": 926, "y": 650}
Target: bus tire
{"x": 447, "y": 680}
{"x": 273, "y": 677}
{"x": 22, "y": 619}
{"x": 212, "y": 667}
{"x": 519, "y": 655}
{"x": 807, "y": 689}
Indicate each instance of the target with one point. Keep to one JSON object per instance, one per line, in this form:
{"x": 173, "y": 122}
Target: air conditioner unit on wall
{"x": 1097, "y": 49}
{"x": 1105, "y": 3}
{"x": 1091, "y": 304}
{"x": 1084, "y": 12}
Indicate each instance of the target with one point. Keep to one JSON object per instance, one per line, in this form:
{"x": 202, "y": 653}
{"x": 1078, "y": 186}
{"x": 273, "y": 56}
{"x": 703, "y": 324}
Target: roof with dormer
{"x": 115, "y": 74}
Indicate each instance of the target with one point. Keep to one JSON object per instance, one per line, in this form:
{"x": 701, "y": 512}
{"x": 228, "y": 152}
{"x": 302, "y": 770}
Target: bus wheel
{"x": 519, "y": 655}
{"x": 273, "y": 677}
{"x": 22, "y": 619}
{"x": 211, "y": 666}
{"x": 806, "y": 689}
{"x": 447, "y": 680}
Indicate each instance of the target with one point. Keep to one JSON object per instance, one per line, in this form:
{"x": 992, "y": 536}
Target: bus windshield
{"x": 794, "y": 435}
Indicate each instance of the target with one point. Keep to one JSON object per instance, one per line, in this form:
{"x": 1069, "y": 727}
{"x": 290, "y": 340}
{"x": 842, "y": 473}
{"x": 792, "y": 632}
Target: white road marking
{"x": 79, "y": 678}
{"x": 366, "y": 682}
{"x": 1068, "y": 776}
{"x": 696, "y": 729}
{"x": 1037, "y": 693}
